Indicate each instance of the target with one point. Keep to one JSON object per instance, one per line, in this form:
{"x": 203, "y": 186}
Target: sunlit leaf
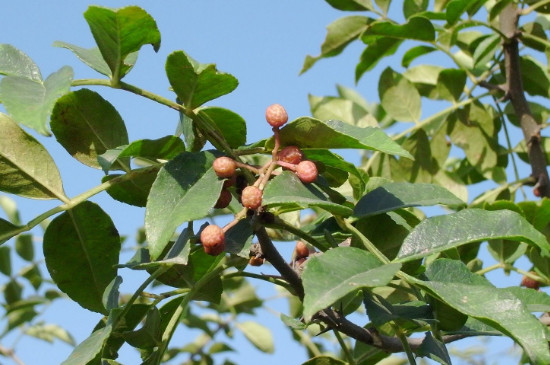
{"x": 443, "y": 232}
{"x": 258, "y": 335}
{"x": 26, "y": 168}
{"x": 14, "y": 62}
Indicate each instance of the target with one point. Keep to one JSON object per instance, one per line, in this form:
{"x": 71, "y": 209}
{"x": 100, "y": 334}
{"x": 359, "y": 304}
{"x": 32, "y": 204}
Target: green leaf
{"x": 49, "y": 333}
{"x": 451, "y": 83}
{"x": 338, "y": 272}
{"x": 399, "y": 97}
{"x": 7, "y": 230}
{"x": 196, "y": 83}
{"x": 10, "y": 207}
{"x": 92, "y": 57}
{"x": 165, "y": 148}
{"x": 412, "y": 7}
{"x": 258, "y": 335}
{"x": 121, "y": 32}
{"x": 87, "y": 125}
{"x": 81, "y": 248}
{"x": 451, "y": 282}
{"x": 351, "y": 5}
{"x": 185, "y": 189}
{"x": 231, "y": 125}
{"x": 111, "y": 294}
{"x": 14, "y": 62}
{"x": 414, "y": 53}
{"x": 289, "y": 193}
{"x": 25, "y": 247}
{"x": 534, "y": 300}
{"x": 340, "y": 33}
{"x": 87, "y": 350}
{"x": 324, "y": 360}
{"x": 375, "y": 51}
{"x": 486, "y": 49}
{"x": 417, "y": 28}
{"x": 534, "y": 75}
{"x": 443, "y": 232}
{"x": 26, "y": 168}
{"x": 30, "y": 102}
{"x": 312, "y": 133}
{"x": 397, "y": 195}
{"x": 434, "y": 349}
{"x": 5, "y": 260}
{"x": 134, "y": 191}
{"x": 149, "y": 335}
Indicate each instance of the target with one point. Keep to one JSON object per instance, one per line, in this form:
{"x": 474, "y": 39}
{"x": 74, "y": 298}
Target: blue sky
{"x": 262, "y": 43}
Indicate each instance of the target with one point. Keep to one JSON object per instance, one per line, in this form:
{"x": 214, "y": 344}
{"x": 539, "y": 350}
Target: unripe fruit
{"x": 213, "y": 240}
{"x": 301, "y": 250}
{"x": 251, "y": 197}
{"x": 276, "y": 115}
{"x": 291, "y": 154}
{"x": 224, "y": 199}
{"x": 307, "y": 171}
{"x": 224, "y": 167}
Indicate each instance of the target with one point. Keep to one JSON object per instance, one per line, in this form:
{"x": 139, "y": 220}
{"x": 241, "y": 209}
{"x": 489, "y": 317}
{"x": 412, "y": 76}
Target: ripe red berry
{"x": 213, "y": 240}
{"x": 291, "y": 154}
{"x": 224, "y": 167}
{"x": 301, "y": 250}
{"x": 307, "y": 171}
{"x": 536, "y": 192}
{"x": 276, "y": 115}
{"x": 224, "y": 199}
{"x": 251, "y": 197}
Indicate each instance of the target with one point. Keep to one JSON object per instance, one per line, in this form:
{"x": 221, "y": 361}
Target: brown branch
{"x": 516, "y": 94}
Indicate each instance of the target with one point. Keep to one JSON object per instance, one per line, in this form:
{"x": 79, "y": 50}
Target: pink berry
{"x": 224, "y": 167}
{"x": 251, "y": 197}
{"x": 307, "y": 171}
{"x": 213, "y": 240}
{"x": 276, "y": 115}
{"x": 291, "y": 154}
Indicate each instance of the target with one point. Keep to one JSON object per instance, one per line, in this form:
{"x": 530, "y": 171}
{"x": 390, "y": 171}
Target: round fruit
{"x": 251, "y": 197}
{"x": 307, "y": 171}
{"x": 276, "y": 115}
{"x": 301, "y": 250}
{"x": 536, "y": 192}
{"x": 224, "y": 167}
{"x": 213, "y": 240}
{"x": 291, "y": 154}
{"x": 224, "y": 199}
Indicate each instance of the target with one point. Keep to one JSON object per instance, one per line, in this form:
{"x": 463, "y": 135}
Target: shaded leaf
{"x": 5, "y": 260}
{"x": 24, "y": 247}
{"x": 338, "y": 272}
{"x": 375, "y": 51}
{"x": 185, "y": 189}
{"x": 26, "y": 168}
{"x": 81, "y": 248}
{"x": 134, "y": 191}
{"x": 414, "y": 53}
{"x": 111, "y": 294}
{"x": 351, "y": 5}
{"x": 7, "y": 230}
{"x": 289, "y": 193}
{"x": 30, "y": 102}
{"x": 312, "y": 133}
{"x": 397, "y": 195}
{"x": 324, "y": 360}
{"x": 87, "y": 125}
{"x": 196, "y": 83}
{"x": 440, "y": 233}
{"x": 231, "y": 125}
{"x": 88, "y": 349}
{"x": 417, "y": 28}
{"x": 121, "y": 32}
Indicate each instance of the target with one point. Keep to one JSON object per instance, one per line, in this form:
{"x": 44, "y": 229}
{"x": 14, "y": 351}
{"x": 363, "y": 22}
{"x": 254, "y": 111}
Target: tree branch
{"x": 515, "y": 93}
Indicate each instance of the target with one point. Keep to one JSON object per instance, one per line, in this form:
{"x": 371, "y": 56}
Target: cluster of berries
{"x": 290, "y": 157}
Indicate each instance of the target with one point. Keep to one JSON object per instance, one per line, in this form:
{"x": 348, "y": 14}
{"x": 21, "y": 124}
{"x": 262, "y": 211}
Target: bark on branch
{"x": 516, "y": 94}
